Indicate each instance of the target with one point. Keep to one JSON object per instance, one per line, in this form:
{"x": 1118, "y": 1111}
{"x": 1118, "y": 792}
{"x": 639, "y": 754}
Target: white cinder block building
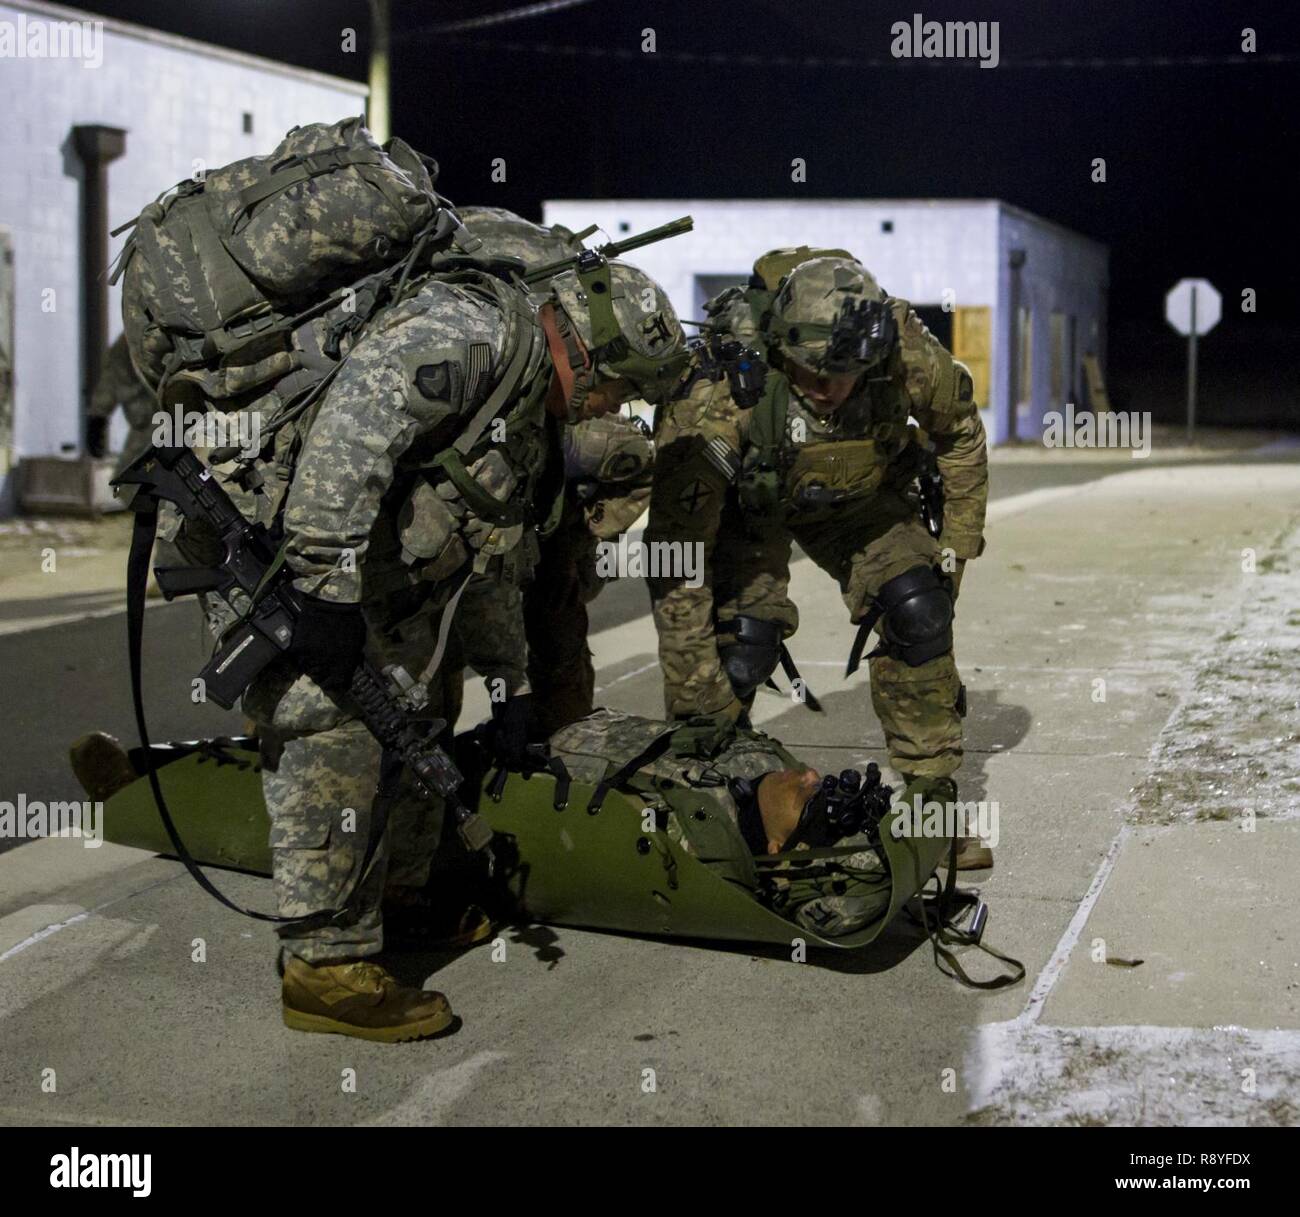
{"x": 1020, "y": 300}
{"x": 176, "y": 103}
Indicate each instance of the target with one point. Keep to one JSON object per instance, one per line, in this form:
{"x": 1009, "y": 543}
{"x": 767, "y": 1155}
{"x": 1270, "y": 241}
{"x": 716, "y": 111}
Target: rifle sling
{"x": 137, "y": 576}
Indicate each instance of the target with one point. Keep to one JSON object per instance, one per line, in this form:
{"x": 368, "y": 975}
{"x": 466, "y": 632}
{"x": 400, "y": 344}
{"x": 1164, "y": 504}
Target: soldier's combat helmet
{"x": 616, "y": 322}
{"x": 831, "y": 317}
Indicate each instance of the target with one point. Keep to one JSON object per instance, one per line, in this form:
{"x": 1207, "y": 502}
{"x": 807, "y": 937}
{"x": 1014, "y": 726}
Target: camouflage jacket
{"x": 693, "y": 802}
{"x": 382, "y": 508}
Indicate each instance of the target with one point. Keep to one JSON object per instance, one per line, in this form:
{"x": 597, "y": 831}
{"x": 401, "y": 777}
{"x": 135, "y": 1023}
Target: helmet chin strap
{"x": 573, "y": 366}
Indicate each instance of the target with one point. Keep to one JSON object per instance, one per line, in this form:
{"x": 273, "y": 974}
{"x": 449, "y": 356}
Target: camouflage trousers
{"x": 561, "y": 674}
{"x": 320, "y": 771}
{"x": 861, "y": 546}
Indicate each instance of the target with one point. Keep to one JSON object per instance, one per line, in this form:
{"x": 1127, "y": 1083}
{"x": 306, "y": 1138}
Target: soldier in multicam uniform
{"x": 607, "y": 463}
{"x": 406, "y": 476}
{"x": 820, "y": 453}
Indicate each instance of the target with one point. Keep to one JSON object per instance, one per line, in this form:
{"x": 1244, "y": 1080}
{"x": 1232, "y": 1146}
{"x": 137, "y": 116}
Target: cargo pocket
{"x": 308, "y": 829}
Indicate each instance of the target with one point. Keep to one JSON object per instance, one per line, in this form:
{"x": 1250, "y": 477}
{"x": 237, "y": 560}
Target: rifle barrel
{"x": 612, "y": 249}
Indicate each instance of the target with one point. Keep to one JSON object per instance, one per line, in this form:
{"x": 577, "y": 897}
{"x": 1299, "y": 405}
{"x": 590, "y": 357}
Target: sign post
{"x": 1193, "y": 307}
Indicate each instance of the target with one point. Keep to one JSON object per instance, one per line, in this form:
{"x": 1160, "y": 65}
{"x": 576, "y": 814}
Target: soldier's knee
{"x": 916, "y": 616}
{"x": 751, "y": 653}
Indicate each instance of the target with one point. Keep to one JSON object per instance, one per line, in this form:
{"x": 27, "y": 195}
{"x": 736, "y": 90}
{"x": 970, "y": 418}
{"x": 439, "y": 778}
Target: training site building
{"x": 99, "y": 118}
{"x": 1019, "y": 299}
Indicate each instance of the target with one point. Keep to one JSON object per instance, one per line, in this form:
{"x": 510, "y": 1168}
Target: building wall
{"x": 933, "y": 246}
{"x": 178, "y": 102}
{"x": 1063, "y": 273}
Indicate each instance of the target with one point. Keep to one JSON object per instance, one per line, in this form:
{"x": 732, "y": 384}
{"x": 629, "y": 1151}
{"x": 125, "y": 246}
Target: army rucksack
{"x": 219, "y": 271}
{"x": 505, "y": 234}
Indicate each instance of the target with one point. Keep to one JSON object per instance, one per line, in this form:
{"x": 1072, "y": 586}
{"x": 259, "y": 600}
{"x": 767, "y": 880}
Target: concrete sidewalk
{"x": 1123, "y": 839}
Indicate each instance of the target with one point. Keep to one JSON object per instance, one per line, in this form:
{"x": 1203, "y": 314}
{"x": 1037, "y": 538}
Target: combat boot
{"x": 972, "y": 852}
{"x": 416, "y": 918}
{"x": 101, "y": 765}
{"x": 357, "y": 997}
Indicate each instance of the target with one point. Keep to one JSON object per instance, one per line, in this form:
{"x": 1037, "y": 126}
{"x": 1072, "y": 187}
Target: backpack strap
{"x": 301, "y": 169}
{"x": 759, "y": 487}
{"x": 522, "y": 365}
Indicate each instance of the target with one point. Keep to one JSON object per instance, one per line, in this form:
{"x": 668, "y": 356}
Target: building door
{"x": 972, "y": 343}
{"x": 1058, "y": 365}
{"x": 937, "y": 320}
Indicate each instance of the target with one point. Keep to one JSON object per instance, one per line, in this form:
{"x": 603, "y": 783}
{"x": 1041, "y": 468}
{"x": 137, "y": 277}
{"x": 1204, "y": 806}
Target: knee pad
{"x": 751, "y": 654}
{"x": 916, "y": 616}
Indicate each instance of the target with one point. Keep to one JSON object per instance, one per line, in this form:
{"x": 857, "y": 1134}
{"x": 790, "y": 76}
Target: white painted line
{"x": 48, "y": 931}
{"x": 1048, "y": 977}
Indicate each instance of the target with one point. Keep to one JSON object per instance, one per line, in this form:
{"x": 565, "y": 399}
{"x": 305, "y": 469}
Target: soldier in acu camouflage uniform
{"x": 758, "y": 791}
{"x": 406, "y": 478}
{"x": 820, "y": 452}
{"x": 607, "y": 464}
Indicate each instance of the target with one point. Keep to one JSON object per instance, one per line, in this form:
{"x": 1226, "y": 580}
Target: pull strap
{"x": 948, "y": 907}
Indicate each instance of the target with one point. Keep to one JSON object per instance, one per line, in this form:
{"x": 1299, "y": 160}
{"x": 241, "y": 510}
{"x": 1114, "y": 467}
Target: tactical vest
{"x": 810, "y": 480}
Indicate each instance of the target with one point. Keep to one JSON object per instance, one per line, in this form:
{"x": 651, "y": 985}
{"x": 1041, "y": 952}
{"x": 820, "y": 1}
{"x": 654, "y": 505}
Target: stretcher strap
{"x": 948, "y": 905}
{"x": 648, "y": 755}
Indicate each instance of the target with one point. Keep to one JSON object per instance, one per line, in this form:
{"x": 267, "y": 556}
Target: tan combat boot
{"x": 359, "y": 998}
{"x": 973, "y": 854}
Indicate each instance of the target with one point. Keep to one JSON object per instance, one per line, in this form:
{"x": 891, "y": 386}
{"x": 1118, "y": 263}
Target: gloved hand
{"x": 328, "y": 641}
{"x": 705, "y": 735}
{"x": 514, "y": 727}
{"x": 97, "y": 436}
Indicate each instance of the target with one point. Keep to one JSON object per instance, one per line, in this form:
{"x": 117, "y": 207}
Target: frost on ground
{"x": 1143, "y": 1076}
{"x": 1233, "y": 746}
{"x": 26, "y": 535}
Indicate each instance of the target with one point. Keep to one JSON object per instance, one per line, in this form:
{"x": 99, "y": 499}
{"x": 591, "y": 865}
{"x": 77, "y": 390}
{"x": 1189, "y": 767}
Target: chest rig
{"x": 788, "y": 469}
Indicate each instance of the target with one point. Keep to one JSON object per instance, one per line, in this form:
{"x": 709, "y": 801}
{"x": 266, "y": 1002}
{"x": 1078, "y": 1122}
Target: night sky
{"x": 1201, "y": 156}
